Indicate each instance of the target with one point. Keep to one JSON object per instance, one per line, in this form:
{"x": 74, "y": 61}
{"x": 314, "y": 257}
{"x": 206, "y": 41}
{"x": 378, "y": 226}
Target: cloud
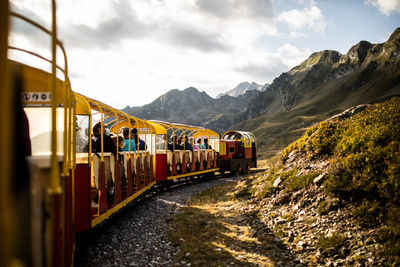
{"x": 108, "y": 31}
{"x": 307, "y": 18}
{"x": 189, "y": 37}
{"x": 237, "y": 8}
{"x": 264, "y": 69}
{"x": 292, "y": 55}
{"x": 298, "y": 35}
{"x": 21, "y": 28}
{"x": 385, "y": 6}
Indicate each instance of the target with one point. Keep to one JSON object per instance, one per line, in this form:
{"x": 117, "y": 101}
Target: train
{"x": 70, "y": 162}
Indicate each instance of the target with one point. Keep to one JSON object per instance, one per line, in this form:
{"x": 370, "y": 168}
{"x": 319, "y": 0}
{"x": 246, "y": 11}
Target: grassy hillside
{"x": 364, "y": 155}
{"x": 330, "y": 198}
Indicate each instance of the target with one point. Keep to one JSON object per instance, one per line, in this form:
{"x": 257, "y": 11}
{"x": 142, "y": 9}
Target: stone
{"x": 319, "y": 179}
{"x": 277, "y": 182}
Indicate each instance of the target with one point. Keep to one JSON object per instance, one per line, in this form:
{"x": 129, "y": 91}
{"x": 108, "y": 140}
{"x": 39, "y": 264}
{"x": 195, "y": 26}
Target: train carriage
{"x": 185, "y": 160}
{"x": 238, "y": 152}
{"x": 60, "y": 179}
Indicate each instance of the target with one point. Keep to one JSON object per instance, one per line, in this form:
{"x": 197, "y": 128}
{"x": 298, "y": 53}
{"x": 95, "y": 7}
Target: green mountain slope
{"x": 325, "y": 84}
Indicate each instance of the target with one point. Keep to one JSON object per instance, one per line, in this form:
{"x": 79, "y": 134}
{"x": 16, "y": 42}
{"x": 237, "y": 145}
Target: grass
{"x": 365, "y": 167}
{"x": 331, "y": 242}
{"x": 210, "y": 231}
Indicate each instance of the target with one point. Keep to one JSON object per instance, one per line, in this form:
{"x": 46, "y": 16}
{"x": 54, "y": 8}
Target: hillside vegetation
{"x": 332, "y": 197}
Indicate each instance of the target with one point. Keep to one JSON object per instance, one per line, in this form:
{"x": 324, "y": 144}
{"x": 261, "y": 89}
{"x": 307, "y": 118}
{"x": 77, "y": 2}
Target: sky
{"x": 129, "y": 52}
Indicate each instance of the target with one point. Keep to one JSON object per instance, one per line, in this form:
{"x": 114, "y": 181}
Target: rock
{"x": 319, "y": 179}
{"x": 277, "y": 182}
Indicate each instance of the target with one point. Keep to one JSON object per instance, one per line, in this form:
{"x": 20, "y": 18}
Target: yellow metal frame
{"x": 241, "y": 139}
{"x": 191, "y": 174}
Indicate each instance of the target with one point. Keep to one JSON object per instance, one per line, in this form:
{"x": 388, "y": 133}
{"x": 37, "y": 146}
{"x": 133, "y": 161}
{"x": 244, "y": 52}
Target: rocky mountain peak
{"x": 326, "y": 57}
{"x": 395, "y": 36}
{"x": 359, "y": 51}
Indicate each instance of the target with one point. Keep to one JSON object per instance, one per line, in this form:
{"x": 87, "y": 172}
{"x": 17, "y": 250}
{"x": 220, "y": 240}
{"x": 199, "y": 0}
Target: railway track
{"x": 136, "y": 235}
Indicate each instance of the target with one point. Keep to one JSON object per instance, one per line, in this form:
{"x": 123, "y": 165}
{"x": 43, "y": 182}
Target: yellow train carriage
{"x": 108, "y": 179}
{"x": 184, "y": 153}
{"x": 42, "y": 168}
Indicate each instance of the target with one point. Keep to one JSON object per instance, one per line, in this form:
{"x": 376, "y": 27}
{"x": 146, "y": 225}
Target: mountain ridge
{"x": 326, "y": 83}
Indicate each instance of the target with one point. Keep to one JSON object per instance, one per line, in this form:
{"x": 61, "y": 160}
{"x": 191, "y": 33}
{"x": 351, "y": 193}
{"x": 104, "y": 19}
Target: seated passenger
{"x": 120, "y": 142}
{"x": 188, "y": 146}
{"x": 108, "y": 143}
{"x": 170, "y": 144}
{"x": 198, "y": 145}
{"x": 142, "y": 145}
{"x": 206, "y": 145}
{"x": 178, "y": 144}
{"x": 126, "y": 141}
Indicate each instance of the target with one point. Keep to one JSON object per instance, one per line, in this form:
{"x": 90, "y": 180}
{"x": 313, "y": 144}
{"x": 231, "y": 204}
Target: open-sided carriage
{"x": 238, "y": 152}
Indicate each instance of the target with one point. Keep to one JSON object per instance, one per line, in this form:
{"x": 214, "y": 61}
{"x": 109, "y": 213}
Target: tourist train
{"x": 69, "y": 162}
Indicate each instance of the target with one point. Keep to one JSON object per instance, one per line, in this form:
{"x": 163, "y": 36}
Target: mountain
{"x": 324, "y": 84}
{"x": 190, "y": 106}
{"x": 243, "y": 87}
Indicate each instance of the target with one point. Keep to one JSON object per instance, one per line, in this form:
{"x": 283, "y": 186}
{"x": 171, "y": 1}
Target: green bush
{"x": 295, "y": 182}
{"x": 299, "y": 145}
{"x": 326, "y": 138}
{"x": 334, "y": 241}
{"x": 368, "y": 214}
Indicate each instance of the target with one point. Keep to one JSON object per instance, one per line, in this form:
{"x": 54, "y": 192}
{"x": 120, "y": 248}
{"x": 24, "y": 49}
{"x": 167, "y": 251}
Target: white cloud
{"x": 385, "y": 6}
{"x": 311, "y": 17}
{"x": 298, "y": 35}
{"x": 292, "y": 56}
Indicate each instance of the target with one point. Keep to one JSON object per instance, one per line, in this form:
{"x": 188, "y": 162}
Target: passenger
{"x": 170, "y": 143}
{"x": 188, "y": 145}
{"x": 108, "y": 143}
{"x": 126, "y": 141}
{"x": 142, "y": 145}
{"x": 178, "y": 143}
{"x": 121, "y": 142}
{"x": 206, "y": 145}
{"x": 197, "y": 146}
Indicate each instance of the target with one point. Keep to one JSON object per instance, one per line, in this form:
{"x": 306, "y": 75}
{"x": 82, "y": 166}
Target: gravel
{"x": 138, "y": 236}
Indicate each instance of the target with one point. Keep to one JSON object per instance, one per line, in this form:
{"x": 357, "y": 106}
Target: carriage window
{"x": 247, "y": 139}
{"x": 40, "y": 129}
{"x": 149, "y": 143}
{"x": 161, "y": 142}
{"x": 231, "y": 149}
{"x": 253, "y": 139}
{"x": 82, "y": 139}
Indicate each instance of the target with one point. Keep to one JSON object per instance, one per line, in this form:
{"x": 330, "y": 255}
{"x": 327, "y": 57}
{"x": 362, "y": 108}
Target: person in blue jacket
{"x": 142, "y": 145}
{"x": 126, "y": 141}
{"x": 206, "y": 145}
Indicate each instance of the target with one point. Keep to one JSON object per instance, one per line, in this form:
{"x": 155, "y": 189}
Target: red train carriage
{"x": 238, "y": 152}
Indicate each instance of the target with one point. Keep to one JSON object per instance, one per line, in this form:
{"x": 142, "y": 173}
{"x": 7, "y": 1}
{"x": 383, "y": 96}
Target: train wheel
{"x": 247, "y": 169}
{"x": 239, "y": 171}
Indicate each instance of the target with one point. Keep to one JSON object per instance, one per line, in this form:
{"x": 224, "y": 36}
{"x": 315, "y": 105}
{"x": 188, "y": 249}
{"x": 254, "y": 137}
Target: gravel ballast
{"x": 138, "y": 236}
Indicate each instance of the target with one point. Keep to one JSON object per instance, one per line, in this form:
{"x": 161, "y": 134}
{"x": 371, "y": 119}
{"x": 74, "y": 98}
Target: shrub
{"x": 295, "y": 182}
{"x": 334, "y": 241}
{"x": 326, "y": 137}
{"x": 368, "y": 213}
{"x": 299, "y": 145}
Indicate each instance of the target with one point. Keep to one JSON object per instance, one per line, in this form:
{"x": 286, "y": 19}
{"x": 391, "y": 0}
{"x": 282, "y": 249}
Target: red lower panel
{"x": 57, "y": 231}
{"x": 82, "y": 198}
{"x": 161, "y": 167}
{"x": 68, "y": 223}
